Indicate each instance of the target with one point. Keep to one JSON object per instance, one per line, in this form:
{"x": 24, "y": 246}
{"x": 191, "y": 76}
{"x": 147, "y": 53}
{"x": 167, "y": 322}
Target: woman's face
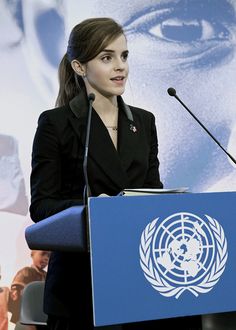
{"x": 107, "y": 73}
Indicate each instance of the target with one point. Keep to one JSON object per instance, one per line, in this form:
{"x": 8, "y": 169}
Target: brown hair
{"x": 87, "y": 39}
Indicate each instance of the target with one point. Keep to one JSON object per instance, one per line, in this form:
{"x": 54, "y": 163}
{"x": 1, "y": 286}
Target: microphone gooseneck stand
{"x": 172, "y": 92}
{"x": 87, "y": 191}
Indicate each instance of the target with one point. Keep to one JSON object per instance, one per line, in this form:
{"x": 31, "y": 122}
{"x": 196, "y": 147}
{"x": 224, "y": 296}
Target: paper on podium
{"x": 150, "y": 191}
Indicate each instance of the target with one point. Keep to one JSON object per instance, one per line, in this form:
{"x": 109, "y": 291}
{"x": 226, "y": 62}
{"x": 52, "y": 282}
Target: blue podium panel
{"x": 63, "y": 231}
{"x": 162, "y": 256}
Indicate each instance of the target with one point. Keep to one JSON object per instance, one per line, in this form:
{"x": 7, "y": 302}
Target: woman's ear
{"x": 78, "y": 68}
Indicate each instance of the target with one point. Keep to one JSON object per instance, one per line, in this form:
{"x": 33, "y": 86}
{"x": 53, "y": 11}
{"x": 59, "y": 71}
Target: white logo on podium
{"x": 183, "y": 253}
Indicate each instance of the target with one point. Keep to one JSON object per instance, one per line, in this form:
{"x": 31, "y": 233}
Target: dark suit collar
{"x": 101, "y": 149}
{"x": 79, "y": 106}
{"x": 125, "y": 108}
{"x": 127, "y": 135}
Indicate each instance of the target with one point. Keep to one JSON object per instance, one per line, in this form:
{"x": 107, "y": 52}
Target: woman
{"x": 122, "y": 153}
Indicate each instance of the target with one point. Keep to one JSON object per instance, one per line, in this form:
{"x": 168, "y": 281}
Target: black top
{"x": 57, "y": 182}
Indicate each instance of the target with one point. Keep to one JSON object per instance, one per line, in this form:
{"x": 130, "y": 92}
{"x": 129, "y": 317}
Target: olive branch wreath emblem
{"x": 165, "y": 288}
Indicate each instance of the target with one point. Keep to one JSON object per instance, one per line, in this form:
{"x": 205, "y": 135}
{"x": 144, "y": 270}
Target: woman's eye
{"x": 193, "y": 33}
{"x": 184, "y": 31}
{"x": 106, "y": 58}
{"x": 185, "y": 21}
{"x": 124, "y": 57}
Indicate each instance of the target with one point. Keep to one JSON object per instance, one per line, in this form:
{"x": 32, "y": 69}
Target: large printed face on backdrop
{"x": 189, "y": 45}
{"x": 185, "y": 44}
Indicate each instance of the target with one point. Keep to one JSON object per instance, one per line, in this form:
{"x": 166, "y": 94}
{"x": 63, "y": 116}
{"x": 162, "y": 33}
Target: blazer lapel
{"x": 101, "y": 148}
{"x": 78, "y": 115}
{"x": 103, "y": 152}
{"x": 128, "y": 135}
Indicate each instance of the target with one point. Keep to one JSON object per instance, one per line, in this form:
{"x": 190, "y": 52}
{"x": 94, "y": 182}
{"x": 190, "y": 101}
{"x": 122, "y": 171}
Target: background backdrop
{"x": 185, "y": 44}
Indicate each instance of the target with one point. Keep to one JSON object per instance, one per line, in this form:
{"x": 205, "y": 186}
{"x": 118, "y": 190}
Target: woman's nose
{"x": 119, "y": 65}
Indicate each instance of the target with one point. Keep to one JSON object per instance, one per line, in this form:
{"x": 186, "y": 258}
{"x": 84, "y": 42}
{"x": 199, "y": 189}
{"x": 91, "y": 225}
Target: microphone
{"x": 172, "y": 92}
{"x": 87, "y": 191}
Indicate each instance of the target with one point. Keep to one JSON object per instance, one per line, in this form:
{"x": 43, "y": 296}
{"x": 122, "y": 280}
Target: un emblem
{"x": 183, "y": 253}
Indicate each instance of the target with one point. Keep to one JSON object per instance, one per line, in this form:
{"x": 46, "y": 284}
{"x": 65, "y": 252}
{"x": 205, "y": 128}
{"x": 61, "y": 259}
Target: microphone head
{"x": 171, "y": 91}
{"x": 91, "y": 97}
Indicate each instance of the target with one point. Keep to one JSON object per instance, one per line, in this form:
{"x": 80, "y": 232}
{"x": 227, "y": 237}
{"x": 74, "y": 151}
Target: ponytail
{"x": 69, "y": 83}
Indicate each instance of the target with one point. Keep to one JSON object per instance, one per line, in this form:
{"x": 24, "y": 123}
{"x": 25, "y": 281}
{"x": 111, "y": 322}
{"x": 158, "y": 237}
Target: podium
{"x": 63, "y": 231}
{"x": 152, "y": 257}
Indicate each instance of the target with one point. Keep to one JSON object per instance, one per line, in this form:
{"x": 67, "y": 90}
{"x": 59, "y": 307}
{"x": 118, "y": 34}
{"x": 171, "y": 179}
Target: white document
{"x": 150, "y": 191}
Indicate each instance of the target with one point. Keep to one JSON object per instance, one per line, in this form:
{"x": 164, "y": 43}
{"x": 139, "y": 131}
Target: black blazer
{"x": 57, "y": 181}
